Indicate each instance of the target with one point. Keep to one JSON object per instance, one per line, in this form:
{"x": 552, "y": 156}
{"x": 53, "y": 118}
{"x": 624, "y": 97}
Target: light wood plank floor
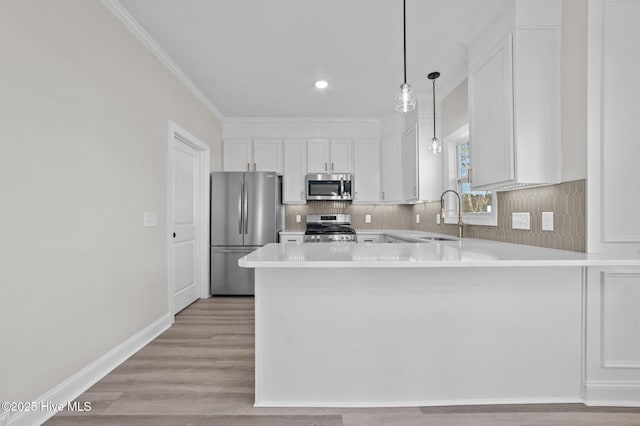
{"x": 200, "y": 372}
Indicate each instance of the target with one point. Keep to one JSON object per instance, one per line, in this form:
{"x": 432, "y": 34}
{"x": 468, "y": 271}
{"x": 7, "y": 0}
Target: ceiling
{"x": 258, "y": 58}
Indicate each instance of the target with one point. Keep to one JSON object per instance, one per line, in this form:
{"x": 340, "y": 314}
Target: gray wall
{"x": 84, "y": 115}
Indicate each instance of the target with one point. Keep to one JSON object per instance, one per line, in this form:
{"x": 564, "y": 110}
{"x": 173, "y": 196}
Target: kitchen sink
{"x": 437, "y": 238}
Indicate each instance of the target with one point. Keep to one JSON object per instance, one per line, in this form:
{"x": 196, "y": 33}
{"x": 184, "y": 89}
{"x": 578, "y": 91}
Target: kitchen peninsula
{"x": 426, "y": 323}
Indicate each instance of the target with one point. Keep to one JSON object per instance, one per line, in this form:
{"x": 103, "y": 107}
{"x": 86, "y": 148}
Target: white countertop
{"x": 468, "y": 252}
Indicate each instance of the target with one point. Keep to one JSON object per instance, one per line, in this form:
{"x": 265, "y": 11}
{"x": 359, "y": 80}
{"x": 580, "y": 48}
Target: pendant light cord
{"x": 434, "y": 108}
{"x": 404, "y": 36}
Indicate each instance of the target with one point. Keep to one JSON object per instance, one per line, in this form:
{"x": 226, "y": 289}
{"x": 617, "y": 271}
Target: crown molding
{"x": 132, "y": 25}
{"x": 302, "y": 120}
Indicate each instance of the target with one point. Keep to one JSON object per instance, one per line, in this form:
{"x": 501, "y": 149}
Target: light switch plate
{"x": 367, "y": 218}
{"x": 150, "y": 219}
{"x": 547, "y": 221}
{"x": 437, "y": 219}
{"x": 521, "y": 220}
{"x": 298, "y": 218}
{"x": 417, "y": 218}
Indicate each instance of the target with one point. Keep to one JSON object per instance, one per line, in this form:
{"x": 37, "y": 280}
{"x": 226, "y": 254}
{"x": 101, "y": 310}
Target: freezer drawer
{"x": 227, "y": 278}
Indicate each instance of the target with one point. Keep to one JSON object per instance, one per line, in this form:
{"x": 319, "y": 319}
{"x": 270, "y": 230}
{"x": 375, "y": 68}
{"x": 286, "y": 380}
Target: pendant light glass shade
{"x": 405, "y": 101}
{"x": 436, "y": 146}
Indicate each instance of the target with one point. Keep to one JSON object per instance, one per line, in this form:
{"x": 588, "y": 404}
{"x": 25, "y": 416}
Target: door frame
{"x": 201, "y": 212}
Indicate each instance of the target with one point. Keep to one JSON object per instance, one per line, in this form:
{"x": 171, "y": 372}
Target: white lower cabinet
{"x": 291, "y": 237}
{"x": 366, "y": 171}
{"x": 370, "y": 238}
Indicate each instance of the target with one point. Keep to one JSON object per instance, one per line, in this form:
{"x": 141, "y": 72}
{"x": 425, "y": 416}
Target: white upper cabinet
{"x": 237, "y": 155}
{"x": 421, "y": 170}
{"x": 366, "y": 171}
{"x": 341, "y": 156}
{"x": 318, "y": 155}
{"x": 241, "y": 155}
{"x": 267, "y": 155}
{"x": 491, "y": 100}
{"x": 391, "y": 183}
{"x": 514, "y": 98}
{"x": 330, "y": 155}
{"x": 295, "y": 170}
{"x": 410, "y": 164}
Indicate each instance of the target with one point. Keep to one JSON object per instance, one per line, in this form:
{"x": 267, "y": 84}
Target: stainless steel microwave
{"x": 329, "y": 186}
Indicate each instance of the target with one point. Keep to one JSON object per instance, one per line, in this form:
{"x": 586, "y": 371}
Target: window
{"x": 478, "y": 207}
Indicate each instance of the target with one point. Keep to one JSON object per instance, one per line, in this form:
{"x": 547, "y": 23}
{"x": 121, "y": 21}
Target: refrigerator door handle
{"x": 240, "y": 208}
{"x": 246, "y": 209}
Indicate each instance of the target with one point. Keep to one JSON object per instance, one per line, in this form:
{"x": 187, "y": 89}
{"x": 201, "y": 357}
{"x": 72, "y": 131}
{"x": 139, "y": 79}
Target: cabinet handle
{"x": 248, "y": 167}
{"x": 325, "y": 167}
{"x": 383, "y": 195}
{"x": 331, "y": 166}
{"x": 254, "y": 167}
{"x": 414, "y": 190}
{"x": 469, "y": 178}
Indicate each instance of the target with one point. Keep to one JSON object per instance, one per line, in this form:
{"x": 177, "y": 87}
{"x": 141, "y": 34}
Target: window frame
{"x": 451, "y": 143}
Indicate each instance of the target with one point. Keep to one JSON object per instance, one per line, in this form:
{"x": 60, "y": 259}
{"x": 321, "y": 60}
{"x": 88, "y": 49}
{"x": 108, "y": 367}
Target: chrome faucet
{"x": 460, "y": 222}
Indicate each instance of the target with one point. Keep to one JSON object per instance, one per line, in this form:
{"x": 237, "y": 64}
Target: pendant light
{"x": 405, "y": 100}
{"x": 436, "y": 146}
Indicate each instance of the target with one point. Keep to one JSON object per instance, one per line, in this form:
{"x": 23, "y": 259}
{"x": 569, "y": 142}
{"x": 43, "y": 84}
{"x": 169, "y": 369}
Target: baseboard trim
{"x": 75, "y": 385}
{"x": 612, "y": 393}
{"x": 421, "y": 403}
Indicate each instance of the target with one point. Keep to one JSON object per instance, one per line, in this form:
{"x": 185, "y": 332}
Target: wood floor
{"x": 200, "y": 372}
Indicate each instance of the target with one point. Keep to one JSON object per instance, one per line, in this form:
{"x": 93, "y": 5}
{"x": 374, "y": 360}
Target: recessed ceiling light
{"x": 321, "y": 84}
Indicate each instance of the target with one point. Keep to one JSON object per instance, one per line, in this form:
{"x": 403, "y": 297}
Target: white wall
{"x": 84, "y": 110}
{"x": 455, "y": 109}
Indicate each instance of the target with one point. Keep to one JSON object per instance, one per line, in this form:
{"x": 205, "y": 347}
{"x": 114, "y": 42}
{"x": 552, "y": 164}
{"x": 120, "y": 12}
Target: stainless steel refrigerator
{"x": 246, "y": 213}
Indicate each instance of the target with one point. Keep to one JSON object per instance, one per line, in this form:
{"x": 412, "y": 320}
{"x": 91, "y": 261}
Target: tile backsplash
{"x": 567, "y": 201}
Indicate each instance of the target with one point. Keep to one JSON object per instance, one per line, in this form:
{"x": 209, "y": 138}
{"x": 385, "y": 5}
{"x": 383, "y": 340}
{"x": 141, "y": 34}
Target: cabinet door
{"x": 318, "y": 155}
{"x": 267, "y": 155}
{"x": 491, "y": 117}
{"x": 288, "y": 238}
{"x": 391, "y": 186}
{"x": 341, "y": 156}
{"x": 366, "y": 171}
{"x": 295, "y": 169}
{"x": 236, "y": 155}
{"x": 370, "y": 238}
{"x": 410, "y": 164}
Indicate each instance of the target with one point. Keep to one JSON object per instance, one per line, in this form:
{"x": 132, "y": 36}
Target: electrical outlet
{"x": 521, "y": 220}
{"x": 547, "y": 221}
{"x": 437, "y": 219}
{"x": 417, "y": 218}
{"x": 367, "y": 218}
{"x": 150, "y": 219}
{"x": 298, "y": 218}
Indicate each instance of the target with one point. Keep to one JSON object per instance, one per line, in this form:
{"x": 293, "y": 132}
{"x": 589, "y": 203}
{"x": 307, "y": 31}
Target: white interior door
{"x": 184, "y": 227}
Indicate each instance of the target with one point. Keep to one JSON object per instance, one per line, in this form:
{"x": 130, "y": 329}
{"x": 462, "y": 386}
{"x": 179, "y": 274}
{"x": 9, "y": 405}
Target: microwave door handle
{"x": 341, "y": 187}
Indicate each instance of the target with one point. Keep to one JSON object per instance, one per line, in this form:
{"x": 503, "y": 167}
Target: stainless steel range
{"x": 329, "y": 228}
